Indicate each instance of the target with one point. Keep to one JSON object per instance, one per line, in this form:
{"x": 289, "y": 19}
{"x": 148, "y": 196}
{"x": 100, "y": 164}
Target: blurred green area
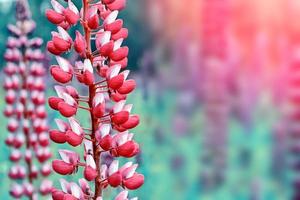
{"x": 171, "y": 163}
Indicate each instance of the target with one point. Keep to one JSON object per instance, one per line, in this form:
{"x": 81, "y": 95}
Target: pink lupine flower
{"x": 100, "y": 68}
{"x": 62, "y": 72}
{"x": 16, "y": 191}
{"x": 125, "y": 176}
{"x": 72, "y": 190}
{"x": 61, "y": 40}
{"x": 68, "y": 164}
{"x": 25, "y": 108}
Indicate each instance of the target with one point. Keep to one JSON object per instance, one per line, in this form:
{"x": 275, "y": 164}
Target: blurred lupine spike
{"x": 22, "y": 10}
{"x": 99, "y": 69}
{"x": 25, "y": 109}
{"x": 216, "y": 101}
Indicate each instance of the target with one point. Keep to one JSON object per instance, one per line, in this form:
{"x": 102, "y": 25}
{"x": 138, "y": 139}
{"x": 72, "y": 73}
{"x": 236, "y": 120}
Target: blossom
{"x": 25, "y": 109}
{"x": 101, "y": 69}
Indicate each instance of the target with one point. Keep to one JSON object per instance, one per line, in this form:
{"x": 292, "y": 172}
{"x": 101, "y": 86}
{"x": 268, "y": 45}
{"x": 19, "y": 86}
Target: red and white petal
{"x": 64, "y": 64}
{"x": 111, "y": 17}
{"x": 118, "y": 107}
{"x": 113, "y": 167}
{"x": 75, "y": 126}
{"x": 76, "y": 191}
{"x": 57, "y": 6}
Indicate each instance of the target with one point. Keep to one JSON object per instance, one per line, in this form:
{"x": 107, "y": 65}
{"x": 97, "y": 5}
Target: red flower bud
{"x": 128, "y": 149}
{"x": 69, "y": 197}
{"x": 127, "y": 87}
{"x": 117, "y": 5}
{"x": 133, "y": 183}
{"x": 62, "y": 167}
{"x": 117, "y": 97}
{"x": 66, "y": 110}
{"x": 107, "y": 1}
{"x": 120, "y": 117}
{"x": 93, "y": 21}
{"x": 57, "y": 194}
{"x": 60, "y": 75}
{"x": 132, "y": 122}
{"x": 60, "y": 44}
{"x": 107, "y": 48}
{"x": 71, "y": 17}
{"x": 105, "y": 142}
{"x": 52, "y": 49}
{"x": 79, "y": 43}
{"x": 98, "y": 111}
{"x": 103, "y": 71}
{"x": 73, "y": 138}
{"x": 123, "y": 33}
{"x": 54, "y": 101}
{"x": 123, "y": 63}
{"x": 54, "y": 17}
{"x": 119, "y": 54}
{"x": 116, "y": 82}
{"x": 115, "y": 179}
{"x": 88, "y": 78}
{"x": 114, "y": 27}
{"x": 89, "y": 173}
{"x": 57, "y": 136}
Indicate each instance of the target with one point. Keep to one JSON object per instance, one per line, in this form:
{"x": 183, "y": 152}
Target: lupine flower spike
{"x": 25, "y": 109}
{"x": 100, "y": 70}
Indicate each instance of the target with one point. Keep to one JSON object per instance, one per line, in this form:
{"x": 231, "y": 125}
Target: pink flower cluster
{"x": 25, "y": 110}
{"x": 102, "y": 58}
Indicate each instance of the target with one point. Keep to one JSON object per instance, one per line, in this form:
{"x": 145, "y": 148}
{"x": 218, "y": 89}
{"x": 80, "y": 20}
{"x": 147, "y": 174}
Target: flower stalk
{"x": 25, "y": 108}
{"x": 102, "y": 58}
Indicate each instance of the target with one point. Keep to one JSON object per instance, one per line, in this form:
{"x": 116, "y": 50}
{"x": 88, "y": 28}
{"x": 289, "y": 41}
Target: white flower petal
{"x": 114, "y": 71}
{"x": 88, "y": 145}
{"x": 99, "y": 98}
{"x": 131, "y": 171}
{"x": 90, "y": 161}
{"x": 65, "y": 155}
{"x": 104, "y": 129}
{"x": 103, "y": 171}
{"x": 68, "y": 99}
{"x": 63, "y": 64}
{"x": 76, "y": 190}
{"x": 123, "y": 138}
{"x": 126, "y": 165}
{"x": 118, "y": 43}
{"x": 73, "y": 7}
{"x": 130, "y": 136}
{"x": 113, "y": 167}
{"x": 87, "y": 65}
{"x": 61, "y": 125}
{"x": 83, "y": 184}
{"x": 104, "y": 37}
{"x": 64, "y": 185}
{"x": 119, "y": 106}
{"x": 128, "y": 107}
{"x": 75, "y": 126}
{"x": 111, "y": 17}
{"x": 63, "y": 33}
{"x": 57, "y": 6}
{"x": 125, "y": 73}
{"x": 122, "y": 195}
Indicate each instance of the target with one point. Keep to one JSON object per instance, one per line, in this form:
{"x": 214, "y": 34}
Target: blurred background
{"x": 216, "y": 79}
